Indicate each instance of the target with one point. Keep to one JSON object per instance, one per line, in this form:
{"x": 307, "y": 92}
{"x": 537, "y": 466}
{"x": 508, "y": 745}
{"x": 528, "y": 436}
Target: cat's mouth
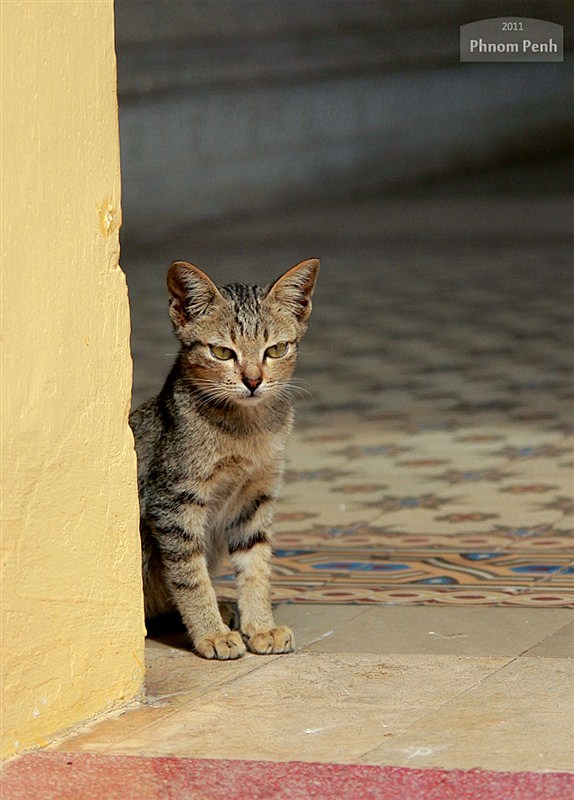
{"x": 251, "y": 399}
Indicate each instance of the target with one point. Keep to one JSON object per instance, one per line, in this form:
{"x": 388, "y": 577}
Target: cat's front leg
{"x": 187, "y": 577}
{"x": 250, "y": 551}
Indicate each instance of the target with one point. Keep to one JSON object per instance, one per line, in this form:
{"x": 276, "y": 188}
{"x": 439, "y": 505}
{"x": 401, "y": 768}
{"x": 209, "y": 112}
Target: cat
{"x": 210, "y": 450}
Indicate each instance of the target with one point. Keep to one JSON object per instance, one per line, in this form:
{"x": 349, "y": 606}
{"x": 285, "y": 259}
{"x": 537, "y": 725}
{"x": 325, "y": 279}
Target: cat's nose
{"x": 252, "y": 383}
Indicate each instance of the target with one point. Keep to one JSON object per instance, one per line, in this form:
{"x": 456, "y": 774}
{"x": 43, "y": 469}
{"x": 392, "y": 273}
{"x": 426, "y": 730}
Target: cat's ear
{"x": 295, "y": 288}
{"x": 191, "y": 292}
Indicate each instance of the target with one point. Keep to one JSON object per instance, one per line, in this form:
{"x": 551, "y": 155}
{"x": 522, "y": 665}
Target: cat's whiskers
{"x": 287, "y": 389}
{"x": 211, "y": 393}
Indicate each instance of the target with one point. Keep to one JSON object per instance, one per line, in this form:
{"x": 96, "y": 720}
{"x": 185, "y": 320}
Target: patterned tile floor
{"x": 433, "y": 461}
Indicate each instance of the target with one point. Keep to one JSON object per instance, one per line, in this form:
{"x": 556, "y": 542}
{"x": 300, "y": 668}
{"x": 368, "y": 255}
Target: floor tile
{"x": 519, "y": 717}
{"x": 468, "y": 631}
{"x": 316, "y": 622}
{"x": 174, "y": 677}
{"x": 304, "y": 707}
{"x": 559, "y": 644}
{"x": 174, "y": 670}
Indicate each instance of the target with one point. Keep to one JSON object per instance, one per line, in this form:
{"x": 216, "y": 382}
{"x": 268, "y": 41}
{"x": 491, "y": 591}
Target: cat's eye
{"x": 220, "y": 352}
{"x": 277, "y": 350}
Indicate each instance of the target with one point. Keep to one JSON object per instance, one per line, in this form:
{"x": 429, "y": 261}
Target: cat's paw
{"x": 277, "y": 640}
{"x": 222, "y": 646}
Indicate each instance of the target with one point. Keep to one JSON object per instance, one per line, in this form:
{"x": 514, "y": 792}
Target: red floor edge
{"x": 71, "y": 776}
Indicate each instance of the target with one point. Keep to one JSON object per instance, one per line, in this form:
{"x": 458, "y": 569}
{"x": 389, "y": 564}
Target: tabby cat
{"x": 210, "y": 453}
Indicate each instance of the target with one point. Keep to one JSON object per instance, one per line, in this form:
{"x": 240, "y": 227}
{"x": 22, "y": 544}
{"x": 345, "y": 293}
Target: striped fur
{"x": 210, "y": 453}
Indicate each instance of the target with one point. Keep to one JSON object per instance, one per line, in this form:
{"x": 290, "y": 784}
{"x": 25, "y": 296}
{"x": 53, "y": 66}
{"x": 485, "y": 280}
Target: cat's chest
{"x": 248, "y": 455}
{"x": 232, "y": 462}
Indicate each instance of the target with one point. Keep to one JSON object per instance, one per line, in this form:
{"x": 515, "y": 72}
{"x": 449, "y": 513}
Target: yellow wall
{"x": 73, "y": 635}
